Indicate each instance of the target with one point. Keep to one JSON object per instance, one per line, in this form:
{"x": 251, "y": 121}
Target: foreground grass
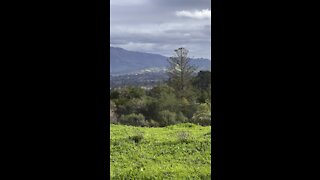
{"x": 176, "y": 152}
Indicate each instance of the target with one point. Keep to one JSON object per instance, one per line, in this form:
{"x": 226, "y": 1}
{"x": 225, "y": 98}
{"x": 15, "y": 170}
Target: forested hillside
{"x": 163, "y": 105}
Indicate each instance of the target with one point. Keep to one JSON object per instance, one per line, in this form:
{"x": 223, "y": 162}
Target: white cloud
{"x": 203, "y": 14}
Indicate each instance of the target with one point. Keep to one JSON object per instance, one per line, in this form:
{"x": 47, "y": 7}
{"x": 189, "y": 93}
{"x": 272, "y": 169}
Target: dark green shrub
{"x": 203, "y": 114}
{"x": 181, "y": 118}
{"x": 167, "y": 118}
{"x": 137, "y": 138}
{"x": 133, "y": 119}
{"x": 114, "y": 94}
{"x": 113, "y": 115}
{"x": 153, "y": 123}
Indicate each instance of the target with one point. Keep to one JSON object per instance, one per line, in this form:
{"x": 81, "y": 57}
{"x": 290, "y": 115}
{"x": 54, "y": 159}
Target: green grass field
{"x": 175, "y": 152}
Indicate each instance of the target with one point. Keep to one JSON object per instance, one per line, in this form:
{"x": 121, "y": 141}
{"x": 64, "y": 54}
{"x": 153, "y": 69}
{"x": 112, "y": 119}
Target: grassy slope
{"x": 162, "y": 154}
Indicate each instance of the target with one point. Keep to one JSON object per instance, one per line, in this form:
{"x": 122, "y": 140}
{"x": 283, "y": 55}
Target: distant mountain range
{"x": 131, "y": 62}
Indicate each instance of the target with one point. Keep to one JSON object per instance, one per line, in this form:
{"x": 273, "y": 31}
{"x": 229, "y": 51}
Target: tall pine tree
{"x": 180, "y": 72}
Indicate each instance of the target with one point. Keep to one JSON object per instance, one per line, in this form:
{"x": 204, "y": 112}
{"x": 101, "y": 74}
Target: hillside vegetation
{"x": 181, "y": 151}
{"x": 164, "y": 104}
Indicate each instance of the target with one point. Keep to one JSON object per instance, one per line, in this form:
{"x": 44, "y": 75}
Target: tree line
{"x": 184, "y": 97}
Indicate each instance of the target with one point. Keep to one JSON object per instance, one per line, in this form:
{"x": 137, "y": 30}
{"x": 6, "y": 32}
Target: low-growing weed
{"x": 183, "y": 136}
{"x": 137, "y": 137}
{"x": 178, "y": 152}
{"x": 208, "y": 133}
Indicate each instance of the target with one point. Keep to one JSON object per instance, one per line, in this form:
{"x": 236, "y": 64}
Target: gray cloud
{"x": 154, "y": 26}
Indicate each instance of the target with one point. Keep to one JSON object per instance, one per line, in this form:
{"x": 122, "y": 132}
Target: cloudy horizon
{"x": 159, "y": 26}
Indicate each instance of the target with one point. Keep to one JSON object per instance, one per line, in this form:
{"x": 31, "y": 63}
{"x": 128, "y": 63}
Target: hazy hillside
{"x": 126, "y": 62}
{"x": 146, "y": 79}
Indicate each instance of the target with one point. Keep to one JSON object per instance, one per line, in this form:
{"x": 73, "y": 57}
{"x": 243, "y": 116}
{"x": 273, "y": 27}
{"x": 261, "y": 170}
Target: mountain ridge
{"x": 123, "y": 61}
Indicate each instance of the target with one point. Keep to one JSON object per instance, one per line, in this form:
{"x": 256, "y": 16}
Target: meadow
{"x": 181, "y": 151}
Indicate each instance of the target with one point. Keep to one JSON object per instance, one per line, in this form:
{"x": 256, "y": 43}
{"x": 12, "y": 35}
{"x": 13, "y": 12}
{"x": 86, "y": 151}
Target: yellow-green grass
{"x": 175, "y": 152}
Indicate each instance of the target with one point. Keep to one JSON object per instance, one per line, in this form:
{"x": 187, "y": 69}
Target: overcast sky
{"x": 160, "y": 26}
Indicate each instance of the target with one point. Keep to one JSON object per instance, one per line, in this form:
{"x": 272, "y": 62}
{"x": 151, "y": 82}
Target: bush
{"x": 137, "y": 137}
{"x": 131, "y": 92}
{"x": 113, "y": 115}
{"x": 181, "y": 118}
{"x": 188, "y": 108}
{"x": 167, "y": 118}
{"x": 203, "y": 114}
{"x": 136, "y": 105}
{"x": 183, "y": 136}
{"x": 114, "y": 94}
{"x": 153, "y": 123}
{"x": 133, "y": 119}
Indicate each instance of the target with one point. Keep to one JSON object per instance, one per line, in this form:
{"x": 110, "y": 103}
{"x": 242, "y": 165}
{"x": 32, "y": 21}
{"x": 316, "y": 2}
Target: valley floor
{"x": 175, "y": 152}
